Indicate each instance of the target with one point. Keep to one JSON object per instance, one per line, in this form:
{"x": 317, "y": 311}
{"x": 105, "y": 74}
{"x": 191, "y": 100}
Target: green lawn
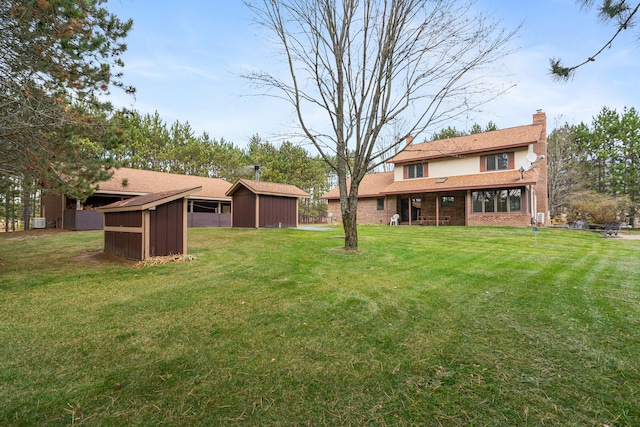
{"x": 424, "y": 326}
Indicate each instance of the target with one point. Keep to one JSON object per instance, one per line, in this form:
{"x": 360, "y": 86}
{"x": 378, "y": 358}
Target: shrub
{"x": 596, "y": 208}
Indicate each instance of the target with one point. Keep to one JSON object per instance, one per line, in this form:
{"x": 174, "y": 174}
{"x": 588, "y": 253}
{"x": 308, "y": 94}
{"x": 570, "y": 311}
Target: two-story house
{"x": 491, "y": 178}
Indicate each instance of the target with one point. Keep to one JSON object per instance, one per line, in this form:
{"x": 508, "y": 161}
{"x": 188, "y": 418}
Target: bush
{"x": 596, "y": 208}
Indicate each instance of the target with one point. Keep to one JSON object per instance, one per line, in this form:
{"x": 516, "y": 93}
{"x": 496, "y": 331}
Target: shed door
{"x": 166, "y": 229}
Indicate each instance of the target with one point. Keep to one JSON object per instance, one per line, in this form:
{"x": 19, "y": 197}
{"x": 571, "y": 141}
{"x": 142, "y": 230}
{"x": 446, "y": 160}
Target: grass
{"x": 423, "y": 326}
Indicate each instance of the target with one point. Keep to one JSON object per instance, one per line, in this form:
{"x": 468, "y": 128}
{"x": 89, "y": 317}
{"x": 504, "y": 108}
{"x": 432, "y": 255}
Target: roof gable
{"x": 501, "y": 179}
{"x": 268, "y": 188}
{"x": 519, "y": 136}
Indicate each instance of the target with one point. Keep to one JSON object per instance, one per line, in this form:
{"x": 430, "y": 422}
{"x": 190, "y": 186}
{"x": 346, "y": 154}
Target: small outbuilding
{"x": 260, "y": 204}
{"x": 145, "y": 226}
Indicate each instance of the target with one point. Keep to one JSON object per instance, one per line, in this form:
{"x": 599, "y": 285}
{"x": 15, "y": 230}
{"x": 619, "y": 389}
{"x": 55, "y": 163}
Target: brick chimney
{"x": 540, "y": 148}
{"x": 409, "y": 139}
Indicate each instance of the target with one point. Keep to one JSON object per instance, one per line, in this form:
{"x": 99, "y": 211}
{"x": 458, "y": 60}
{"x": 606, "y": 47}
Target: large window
{"x": 380, "y": 203}
{"x": 496, "y": 162}
{"x": 415, "y": 171}
{"x": 497, "y": 200}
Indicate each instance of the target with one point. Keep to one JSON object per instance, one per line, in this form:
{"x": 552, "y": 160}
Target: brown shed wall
{"x": 244, "y": 208}
{"x": 127, "y": 245}
{"x": 166, "y": 229}
{"x": 278, "y": 212}
{"x": 52, "y": 205}
{"x": 123, "y": 219}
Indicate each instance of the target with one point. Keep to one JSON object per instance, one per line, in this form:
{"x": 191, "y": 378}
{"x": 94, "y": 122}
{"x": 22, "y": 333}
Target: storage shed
{"x": 259, "y": 204}
{"x": 146, "y": 226}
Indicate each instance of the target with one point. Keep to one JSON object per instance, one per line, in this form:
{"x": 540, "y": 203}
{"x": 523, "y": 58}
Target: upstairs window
{"x": 414, "y": 171}
{"x": 496, "y": 162}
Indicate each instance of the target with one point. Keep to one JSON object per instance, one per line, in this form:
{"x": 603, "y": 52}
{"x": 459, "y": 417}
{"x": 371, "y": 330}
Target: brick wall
{"x": 368, "y": 212}
{"x": 515, "y": 220}
{"x": 454, "y": 213}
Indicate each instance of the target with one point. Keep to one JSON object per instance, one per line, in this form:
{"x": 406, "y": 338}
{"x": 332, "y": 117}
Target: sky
{"x": 185, "y": 59}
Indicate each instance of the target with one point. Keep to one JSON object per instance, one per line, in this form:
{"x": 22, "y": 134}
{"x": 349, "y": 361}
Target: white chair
{"x": 394, "y": 219}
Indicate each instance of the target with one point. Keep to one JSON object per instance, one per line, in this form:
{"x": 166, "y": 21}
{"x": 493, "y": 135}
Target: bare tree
{"x": 563, "y": 169}
{"x": 368, "y": 63}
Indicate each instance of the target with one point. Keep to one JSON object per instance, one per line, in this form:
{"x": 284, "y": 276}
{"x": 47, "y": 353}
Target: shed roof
{"x": 268, "y": 188}
{"x": 510, "y": 178}
{"x": 137, "y": 182}
{"x": 381, "y": 184}
{"x": 519, "y": 136}
{"x": 147, "y": 201}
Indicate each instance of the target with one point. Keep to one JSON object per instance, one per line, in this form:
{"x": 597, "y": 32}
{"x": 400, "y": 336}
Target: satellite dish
{"x": 532, "y": 157}
{"x": 525, "y": 165}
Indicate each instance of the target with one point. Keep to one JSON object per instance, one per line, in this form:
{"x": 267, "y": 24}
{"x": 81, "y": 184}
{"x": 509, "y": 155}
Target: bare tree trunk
{"x": 6, "y": 211}
{"x": 13, "y": 212}
{"x": 26, "y": 204}
{"x": 350, "y": 229}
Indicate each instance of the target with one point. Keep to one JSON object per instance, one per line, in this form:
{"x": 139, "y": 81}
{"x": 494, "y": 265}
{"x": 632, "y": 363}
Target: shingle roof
{"x": 510, "y": 178}
{"x": 268, "y": 188}
{"x": 142, "y": 182}
{"x": 519, "y": 136}
{"x": 371, "y": 185}
{"x": 381, "y": 184}
{"x": 147, "y": 201}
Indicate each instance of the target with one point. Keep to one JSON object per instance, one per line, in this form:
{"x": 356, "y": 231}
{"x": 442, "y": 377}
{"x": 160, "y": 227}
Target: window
{"x": 515, "y": 200}
{"x": 489, "y": 201}
{"x": 415, "y": 171}
{"x": 497, "y": 201}
{"x": 496, "y": 162}
{"x": 447, "y": 201}
{"x": 380, "y": 203}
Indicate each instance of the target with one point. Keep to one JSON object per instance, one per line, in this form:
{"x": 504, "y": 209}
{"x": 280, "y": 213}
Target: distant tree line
{"x": 452, "y": 132}
{"x": 147, "y": 142}
{"x": 594, "y": 170}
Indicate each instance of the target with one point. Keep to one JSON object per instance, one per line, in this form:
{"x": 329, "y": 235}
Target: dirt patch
{"x": 99, "y": 257}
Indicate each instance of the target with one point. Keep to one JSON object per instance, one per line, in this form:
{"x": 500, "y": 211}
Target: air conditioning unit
{"x": 39, "y": 222}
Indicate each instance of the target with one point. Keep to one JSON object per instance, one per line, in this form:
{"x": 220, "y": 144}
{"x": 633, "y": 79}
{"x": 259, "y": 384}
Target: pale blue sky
{"x": 184, "y": 58}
